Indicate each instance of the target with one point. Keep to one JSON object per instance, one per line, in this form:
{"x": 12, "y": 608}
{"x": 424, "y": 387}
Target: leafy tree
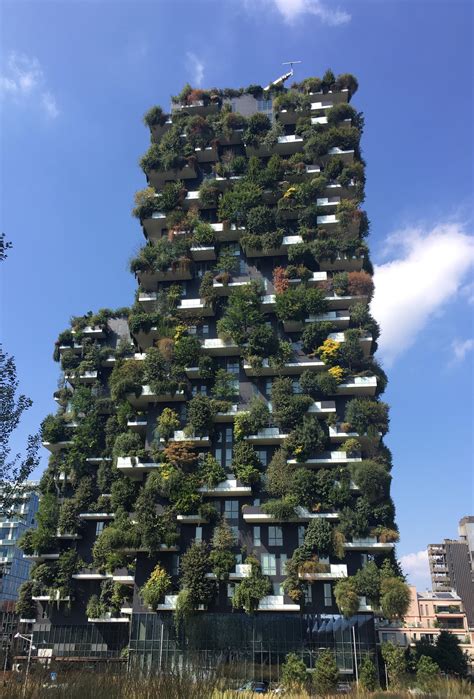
{"x": 394, "y": 658}
{"x": 373, "y": 480}
{"x": 25, "y": 606}
{"x": 167, "y": 423}
{"x": 251, "y": 590}
{"x": 427, "y": 672}
{"x": 278, "y": 472}
{"x": 14, "y": 471}
{"x": 347, "y": 599}
{"x": 318, "y": 537}
{"x": 447, "y": 653}
{"x": 307, "y": 439}
{"x": 201, "y": 414}
{"x": 194, "y": 566}
{"x": 246, "y": 463}
{"x": 368, "y": 675}
{"x": 211, "y": 471}
{"x": 394, "y": 598}
{"x": 288, "y": 408}
{"x": 368, "y": 580}
{"x": 155, "y": 588}
{"x": 326, "y": 674}
{"x": 302, "y": 485}
{"x": 293, "y": 672}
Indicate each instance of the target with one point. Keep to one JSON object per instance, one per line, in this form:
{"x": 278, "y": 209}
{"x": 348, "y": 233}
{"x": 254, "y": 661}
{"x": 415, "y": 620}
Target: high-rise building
{"x": 450, "y": 568}
{"x": 466, "y": 534}
{"x": 14, "y": 568}
{"x": 218, "y": 474}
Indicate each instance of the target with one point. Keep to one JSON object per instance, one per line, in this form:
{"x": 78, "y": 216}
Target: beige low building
{"x": 428, "y": 614}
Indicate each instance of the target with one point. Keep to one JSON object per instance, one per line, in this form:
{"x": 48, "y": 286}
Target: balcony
{"x": 203, "y": 253}
{"x": 255, "y": 515}
{"x": 200, "y": 107}
{"x": 215, "y": 347}
{"x": 241, "y": 571}
{"x": 51, "y": 598}
{"x": 208, "y": 154}
{"x": 368, "y": 543}
{"x": 225, "y": 289}
{"x": 228, "y": 488}
{"x": 365, "y": 342}
{"x": 147, "y": 299}
{"x": 158, "y": 130}
{"x": 157, "y": 178}
{"x": 322, "y": 407}
{"x": 37, "y": 557}
{"x": 76, "y": 347}
{"x": 358, "y": 386}
{"x": 340, "y": 319}
{"x": 133, "y": 468}
{"x": 149, "y": 280}
{"x": 315, "y": 279}
{"x": 327, "y": 459}
{"x": 137, "y": 424}
{"x": 54, "y": 447}
{"x": 276, "y": 603}
{"x": 338, "y": 435}
{"x": 347, "y": 156}
{"x": 290, "y": 368}
{"x": 96, "y": 516}
{"x": 286, "y": 242}
{"x": 109, "y": 619}
{"x": 197, "y": 441}
{"x": 343, "y": 263}
{"x": 227, "y": 233}
{"x": 269, "y": 435}
{"x": 194, "y": 307}
{"x": 335, "y": 572}
{"x": 147, "y": 396}
{"x": 155, "y": 225}
{"x": 339, "y": 302}
{"x": 195, "y": 518}
{"x": 229, "y": 415}
{"x": 93, "y": 331}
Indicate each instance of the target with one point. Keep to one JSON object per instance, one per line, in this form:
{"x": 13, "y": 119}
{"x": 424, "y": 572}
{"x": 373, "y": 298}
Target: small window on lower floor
{"x": 327, "y": 595}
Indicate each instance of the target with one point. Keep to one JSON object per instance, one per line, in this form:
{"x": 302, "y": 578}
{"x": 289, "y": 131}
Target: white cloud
{"x": 291, "y": 10}
{"x": 23, "y": 81}
{"x": 416, "y": 568}
{"x": 196, "y": 68}
{"x": 460, "y": 348}
{"x": 411, "y": 288}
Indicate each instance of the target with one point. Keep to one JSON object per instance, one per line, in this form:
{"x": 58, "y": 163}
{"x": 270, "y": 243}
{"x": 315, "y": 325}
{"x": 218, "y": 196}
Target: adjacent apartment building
{"x": 217, "y": 461}
{"x": 14, "y": 568}
{"x": 451, "y": 566}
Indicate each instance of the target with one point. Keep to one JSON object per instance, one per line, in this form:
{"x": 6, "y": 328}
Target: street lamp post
{"x": 28, "y": 638}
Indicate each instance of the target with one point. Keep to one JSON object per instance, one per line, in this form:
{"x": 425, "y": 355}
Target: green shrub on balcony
{"x": 221, "y": 557}
{"x": 53, "y": 429}
{"x": 235, "y": 203}
{"x": 373, "y": 479}
{"x": 199, "y": 131}
{"x": 154, "y": 117}
{"x": 25, "y": 606}
{"x": 257, "y": 127}
{"x": 225, "y": 386}
{"x": 203, "y": 234}
{"x": 262, "y": 342}
{"x": 341, "y": 112}
{"x": 156, "y": 586}
{"x": 155, "y": 525}
{"x": 296, "y": 304}
{"x": 200, "y": 414}
{"x": 111, "y": 548}
{"x": 364, "y": 414}
{"x": 253, "y": 420}
{"x": 126, "y": 377}
{"x": 307, "y": 438}
{"x": 42, "y": 539}
{"x": 146, "y": 203}
{"x": 123, "y": 494}
{"x": 161, "y": 256}
{"x": 314, "y": 335}
{"x": 187, "y": 351}
{"x": 278, "y": 474}
{"x": 318, "y": 537}
{"x": 158, "y": 372}
{"x": 282, "y": 509}
{"x": 302, "y": 484}
{"x": 346, "y": 81}
{"x": 128, "y": 444}
{"x": 291, "y": 101}
{"x": 309, "y": 85}
{"x": 288, "y": 408}
{"x": 242, "y": 314}
{"x": 211, "y": 472}
{"x": 69, "y": 522}
{"x": 208, "y": 194}
{"x": 194, "y": 565}
{"x": 251, "y": 590}
{"x": 167, "y": 423}
{"x": 245, "y": 463}
{"x": 354, "y": 521}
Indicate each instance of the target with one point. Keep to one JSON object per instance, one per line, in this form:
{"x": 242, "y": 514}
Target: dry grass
{"x": 90, "y": 685}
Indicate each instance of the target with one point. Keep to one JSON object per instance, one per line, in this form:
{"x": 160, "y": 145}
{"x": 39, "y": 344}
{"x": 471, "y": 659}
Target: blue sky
{"x": 76, "y": 78}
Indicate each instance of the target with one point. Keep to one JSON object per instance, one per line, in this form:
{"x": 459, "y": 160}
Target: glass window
{"x": 99, "y": 527}
{"x": 205, "y": 330}
{"x": 308, "y": 594}
{"x": 327, "y": 595}
{"x": 198, "y": 535}
{"x": 283, "y": 560}
{"x": 228, "y": 457}
{"x": 256, "y": 537}
{"x": 175, "y": 564}
{"x": 231, "y": 509}
{"x": 230, "y": 590}
{"x": 263, "y": 456}
{"x": 264, "y": 105}
{"x": 275, "y": 536}
{"x": 233, "y": 366}
{"x": 268, "y": 387}
{"x": 301, "y": 531}
{"x": 269, "y": 564}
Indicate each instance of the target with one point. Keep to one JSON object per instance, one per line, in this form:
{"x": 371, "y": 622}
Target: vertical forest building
{"x": 218, "y": 488}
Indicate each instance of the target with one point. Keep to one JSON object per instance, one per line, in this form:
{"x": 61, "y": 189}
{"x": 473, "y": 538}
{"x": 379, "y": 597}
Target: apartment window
{"x": 228, "y": 458}
{"x": 364, "y": 558}
{"x": 269, "y": 564}
{"x": 268, "y": 387}
{"x": 192, "y": 329}
{"x": 198, "y": 534}
{"x": 243, "y": 267}
{"x": 301, "y": 531}
{"x": 308, "y": 594}
{"x": 230, "y": 590}
{"x": 231, "y": 509}
{"x": 256, "y": 537}
{"x": 296, "y": 386}
{"x": 277, "y": 588}
{"x": 99, "y": 527}
{"x": 236, "y": 534}
{"x": 327, "y": 595}
{"x": 233, "y": 367}
{"x": 218, "y": 455}
{"x": 256, "y": 502}
{"x": 275, "y": 536}
{"x": 283, "y": 560}
{"x": 263, "y": 456}
{"x": 265, "y": 106}
{"x": 205, "y": 330}
{"x": 175, "y": 564}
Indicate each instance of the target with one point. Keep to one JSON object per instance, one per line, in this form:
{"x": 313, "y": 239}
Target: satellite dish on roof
{"x": 285, "y": 76}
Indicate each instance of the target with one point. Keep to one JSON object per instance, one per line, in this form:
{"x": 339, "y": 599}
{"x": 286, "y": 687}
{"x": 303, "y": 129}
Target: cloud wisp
{"x": 416, "y": 567}
{"x": 195, "y": 67}
{"x": 23, "y": 82}
{"x": 293, "y": 10}
{"x": 461, "y": 349}
{"x": 427, "y": 271}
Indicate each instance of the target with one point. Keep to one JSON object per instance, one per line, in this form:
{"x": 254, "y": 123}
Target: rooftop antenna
{"x": 285, "y": 76}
